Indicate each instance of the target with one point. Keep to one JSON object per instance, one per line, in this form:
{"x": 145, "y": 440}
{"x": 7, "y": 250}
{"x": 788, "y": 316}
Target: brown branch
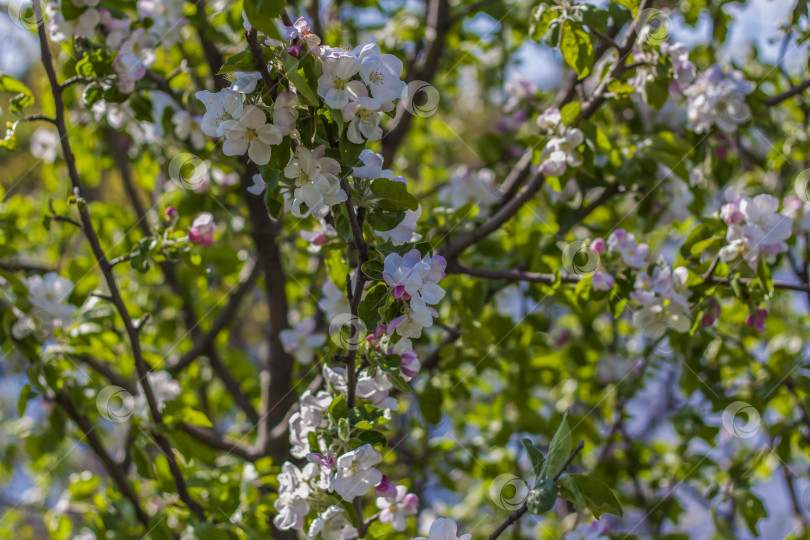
{"x": 517, "y": 514}
{"x": 276, "y": 379}
{"x": 210, "y": 51}
{"x": 118, "y": 474}
{"x": 779, "y": 98}
{"x": 104, "y": 369}
{"x": 40, "y": 118}
{"x": 462, "y": 242}
{"x": 106, "y": 269}
{"x": 258, "y": 58}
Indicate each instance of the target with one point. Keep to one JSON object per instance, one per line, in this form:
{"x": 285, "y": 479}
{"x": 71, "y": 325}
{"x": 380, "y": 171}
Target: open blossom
{"x": 381, "y": 72}
{"x": 164, "y": 389}
{"x": 717, "y": 98}
{"x": 49, "y": 294}
{"x": 755, "y": 229}
{"x": 560, "y": 152}
{"x": 202, "y": 230}
{"x": 130, "y": 70}
{"x": 252, "y": 134}
{"x": 246, "y": 82}
{"x": 332, "y": 524}
{"x": 415, "y": 278}
{"x": 411, "y": 323}
{"x": 550, "y": 119}
{"x": 374, "y": 388}
{"x": 335, "y": 85}
{"x": 285, "y": 113}
{"x": 309, "y": 417}
{"x": 444, "y": 529}
{"x": 316, "y": 182}
{"x": 405, "y": 231}
{"x": 219, "y": 108}
{"x": 372, "y": 166}
{"x": 363, "y": 117}
{"x": 355, "y": 473}
{"x": 683, "y": 69}
{"x": 663, "y": 297}
{"x": 141, "y": 44}
{"x": 188, "y": 127}
{"x": 292, "y": 503}
{"x": 602, "y": 281}
{"x": 624, "y": 243}
{"x": 115, "y": 30}
{"x": 396, "y": 508}
{"x": 466, "y": 186}
{"x": 45, "y": 144}
{"x": 302, "y": 341}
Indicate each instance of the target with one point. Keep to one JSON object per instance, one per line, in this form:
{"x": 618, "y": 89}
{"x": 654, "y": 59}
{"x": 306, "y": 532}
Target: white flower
{"x": 309, "y": 417}
{"x": 550, "y": 119}
{"x": 332, "y": 525}
{"x": 381, "y": 72}
{"x": 634, "y": 255}
{"x": 246, "y": 82}
{"x": 49, "y": 294}
{"x": 259, "y": 185}
{"x": 285, "y": 113}
{"x": 250, "y": 133}
{"x": 718, "y": 98}
{"x": 355, "y": 473}
{"x": 130, "y": 70}
{"x": 85, "y": 24}
{"x": 466, "y": 186}
{"x": 372, "y": 166}
{"x": 363, "y": 116}
{"x": 395, "y": 509}
{"x": 164, "y": 389}
{"x": 219, "y": 107}
{"x": 415, "y": 278}
{"x": 316, "y": 182}
{"x": 334, "y": 302}
{"x": 141, "y": 44}
{"x": 291, "y": 503}
{"x": 561, "y": 152}
{"x": 301, "y": 341}
{"x": 405, "y": 231}
{"x": 757, "y": 230}
{"x": 335, "y": 85}
{"x": 444, "y": 529}
{"x": 188, "y": 127}
{"x": 411, "y": 323}
{"x": 44, "y": 144}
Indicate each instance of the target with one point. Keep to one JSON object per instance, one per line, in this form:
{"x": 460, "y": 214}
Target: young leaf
{"x": 559, "y": 450}
{"x": 598, "y": 496}
{"x": 576, "y": 47}
{"x": 535, "y": 455}
{"x": 394, "y": 195}
{"x": 542, "y": 498}
{"x": 262, "y": 15}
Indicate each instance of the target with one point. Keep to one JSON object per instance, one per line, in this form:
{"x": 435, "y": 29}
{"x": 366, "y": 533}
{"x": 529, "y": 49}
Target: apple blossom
{"x": 252, "y": 134}
{"x": 332, "y": 524}
{"x": 363, "y": 117}
{"x": 394, "y": 509}
{"x": 444, "y": 529}
{"x": 202, "y": 230}
{"x": 316, "y": 182}
{"x": 220, "y": 107}
{"x": 335, "y": 85}
{"x": 302, "y": 341}
{"x": 355, "y": 473}
{"x": 602, "y": 281}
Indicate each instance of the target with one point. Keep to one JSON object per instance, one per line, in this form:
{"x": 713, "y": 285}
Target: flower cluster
{"x": 718, "y": 98}
{"x": 664, "y": 299}
{"x": 415, "y": 279}
{"x": 755, "y": 229}
{"x": 560, "y": 151}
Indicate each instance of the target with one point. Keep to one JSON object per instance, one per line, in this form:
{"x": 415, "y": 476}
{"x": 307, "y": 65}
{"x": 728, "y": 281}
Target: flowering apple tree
{"x": 340, "y": 276}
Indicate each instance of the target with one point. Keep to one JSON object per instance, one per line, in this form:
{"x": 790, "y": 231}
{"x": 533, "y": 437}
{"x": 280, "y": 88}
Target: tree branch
{"x": 779, "y": 98}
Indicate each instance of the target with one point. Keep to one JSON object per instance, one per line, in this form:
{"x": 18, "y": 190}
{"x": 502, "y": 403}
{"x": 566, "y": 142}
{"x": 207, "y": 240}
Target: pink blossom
{"x": 202, "y": 230}
{"x": 385, "y": 488}
{"x": 598, "y": 246}
{"x": 602, "y": 281}
{"x": 757, "y": 320}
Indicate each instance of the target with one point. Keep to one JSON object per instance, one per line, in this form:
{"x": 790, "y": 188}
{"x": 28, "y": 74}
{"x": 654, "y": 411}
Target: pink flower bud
{"x": 171, "y": 213}
{"x": 602, "y": 281}
{"x": 386, "y": 488}
{"x": 202, "y": 230}
{"x": 598, "y": 246}
{"x": 757, "y": 320}
{"x": 410, "y": 499}
{"x": 410, "y": 364}
{"x": 295, "y": 51}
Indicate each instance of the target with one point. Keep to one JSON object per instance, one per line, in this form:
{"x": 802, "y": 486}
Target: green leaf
{"x": 430, "y": 404}
{"x": 304, "y": 90}
{"x": 535, "y": 455}
{"x": 263, "y": 14}
{"x": 542, "y": 16}
{"x": 631, "y": 5}
{"x": 569, "y": 490}
{"x": 576, "y": 47}
{"x": 656, "y": 92}
{"x": 598, "y": 496}
{"x": 393, "y": 195}
{"x": 338, "y": 407}
{"x": 558, "y": 451}
{"x": 241, "y": 61}
{"x": 349, "y": 152}
{"x": 22, "y": 401}
{"x": 373, "y": 269}
{"x": 96, "y": 64}
{"x": 380, "y": 220}
{"x": 10, "y": 85}
{"x": 368, "y": 310}
{"x": 280, "y": 155}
